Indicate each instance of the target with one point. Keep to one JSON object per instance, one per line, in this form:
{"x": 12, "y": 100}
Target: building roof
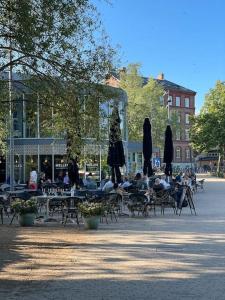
{"x": 166, "y": 84}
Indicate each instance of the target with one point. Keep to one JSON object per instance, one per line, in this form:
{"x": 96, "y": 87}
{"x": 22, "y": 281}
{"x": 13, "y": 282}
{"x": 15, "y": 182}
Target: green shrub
{"x": 91, "y": 209}
{"x": 22, "y": 207}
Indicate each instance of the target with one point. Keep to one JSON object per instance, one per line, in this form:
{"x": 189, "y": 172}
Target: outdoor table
{"x": 47, "y": 198}
{"x": 20, "y": 186}
{"x": 14, "y": 193}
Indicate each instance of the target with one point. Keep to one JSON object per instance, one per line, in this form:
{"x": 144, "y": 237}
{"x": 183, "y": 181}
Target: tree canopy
{"x": 58, "y": 50}
{"x": 54, "y": 37}
{"x": 144, "y": 101}
{"x": 208, "y": 128}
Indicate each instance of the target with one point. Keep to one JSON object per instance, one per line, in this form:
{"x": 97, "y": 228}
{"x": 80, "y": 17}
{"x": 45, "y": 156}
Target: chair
{"x": 200, "y": 184}
{"x": 163, "y": 199}
{"x": 112, "y": 203}
{"x": 4, "y": 205}
{"x": 138, "y": 202}
{"x": 70, "y": 210}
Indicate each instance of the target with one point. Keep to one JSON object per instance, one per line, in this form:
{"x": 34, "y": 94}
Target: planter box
{"x": 91, "y": 222}
{"x": 26, "y": 219}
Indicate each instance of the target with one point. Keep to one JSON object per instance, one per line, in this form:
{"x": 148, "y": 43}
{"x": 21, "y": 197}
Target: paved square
{"x": 162, "y": 257}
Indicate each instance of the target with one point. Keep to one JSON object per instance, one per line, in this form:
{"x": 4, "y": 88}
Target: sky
{"x": 184, "y": 39}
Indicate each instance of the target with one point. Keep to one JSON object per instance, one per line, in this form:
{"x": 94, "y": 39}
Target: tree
{"x": 208, "y": 128}
{"x": 53, "y": 37}
{"x": 144, "y": 101}
{"x": 57, "y": 47}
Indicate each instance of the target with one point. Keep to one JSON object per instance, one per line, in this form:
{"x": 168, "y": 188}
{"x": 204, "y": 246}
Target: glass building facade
{"x": 34, "y": 146}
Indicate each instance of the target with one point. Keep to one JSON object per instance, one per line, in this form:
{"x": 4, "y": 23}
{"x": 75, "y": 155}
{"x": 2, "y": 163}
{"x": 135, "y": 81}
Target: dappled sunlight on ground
{"x": 135, "y": 255}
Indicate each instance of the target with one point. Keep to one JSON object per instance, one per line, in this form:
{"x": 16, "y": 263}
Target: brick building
{"x": 181, "y": 100}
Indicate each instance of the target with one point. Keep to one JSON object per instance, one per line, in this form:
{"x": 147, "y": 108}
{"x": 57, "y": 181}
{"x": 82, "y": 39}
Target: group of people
{"x": 174, "y": 186}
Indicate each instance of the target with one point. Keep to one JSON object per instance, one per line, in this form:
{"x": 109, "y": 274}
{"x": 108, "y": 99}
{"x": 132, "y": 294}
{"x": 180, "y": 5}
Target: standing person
{"x": 33, "y": 179}
{"x": 73, "y": 172}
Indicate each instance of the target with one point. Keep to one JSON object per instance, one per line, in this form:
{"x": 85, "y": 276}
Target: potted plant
{"x": 91, "y": 213}
{"x": 26, "y": 210}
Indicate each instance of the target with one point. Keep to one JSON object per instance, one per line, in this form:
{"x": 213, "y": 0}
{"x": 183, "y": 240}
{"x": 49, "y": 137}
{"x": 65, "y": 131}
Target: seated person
{"x": 139, "y": 182}
{"x": 158, "y": 186}
{"x": 60, "y": 177}
{"x": 108, "y": 186}
{"x": 89, "y": 183}
{"x": 178, "y": 193}
{"x": 179, "y": 177}
{"x": 165, "y": 184}
{"x": 41, "y": 180}
{"x": 126, "y": 183}
{"x": 66, "y": 179}
{"x": 187, "y": 181}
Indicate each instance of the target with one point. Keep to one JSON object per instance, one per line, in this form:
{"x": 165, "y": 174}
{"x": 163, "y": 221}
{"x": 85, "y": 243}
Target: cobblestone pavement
{"x": 164, "y": 257}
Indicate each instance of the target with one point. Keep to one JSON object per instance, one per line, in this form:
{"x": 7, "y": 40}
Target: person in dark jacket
{"x": 157, "y": 186}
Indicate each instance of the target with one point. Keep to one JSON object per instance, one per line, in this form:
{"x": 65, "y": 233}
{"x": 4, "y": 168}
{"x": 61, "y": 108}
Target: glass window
{"x": 187, "y": 134}
{"x": 177, "y": 101}
{"x": 187, "y": 153}
{"x": 187, "y": 118}
{"x": 139, "y": 158}
{"x": 170, "y": 100}
{"x": 187, "y": 102}
{"x": 178, "y": 135}
{"x": 161, "y": 100}
{"x": 178, "y": 152}
{"x": 133, "y": 159}
{"x": 178, "y": 118}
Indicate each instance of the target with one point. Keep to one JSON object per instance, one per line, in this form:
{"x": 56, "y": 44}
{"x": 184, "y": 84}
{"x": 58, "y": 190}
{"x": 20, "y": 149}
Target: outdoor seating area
{"x": 140, "y": 196}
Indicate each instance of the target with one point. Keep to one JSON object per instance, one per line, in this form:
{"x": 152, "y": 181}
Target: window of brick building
{"x": 177, "y": 101}
{"x": 178, "y": 135}
{"x": 187, "y": 118}
{"x": 178, "y": 152}
{"x": 170, "y": 100}
{"x": 187, "y": 153}
{"x": 187, "y": 102}
{"x": 187, "y": 134}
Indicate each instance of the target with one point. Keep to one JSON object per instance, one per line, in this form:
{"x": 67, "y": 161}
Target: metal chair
{"x": 163, "y": 199}
{"x": 70, "y": 210}
{"x": 138, "y": 202}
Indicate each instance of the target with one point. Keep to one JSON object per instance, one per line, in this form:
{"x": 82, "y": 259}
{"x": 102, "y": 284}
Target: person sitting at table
{"x": 66, "y": 179}
{"x": 178, "y": 191}
{"x": 126, "y": 183}
{"x": 179, "y": 177}
{"x": 139, "y": 182}
{"x": 165, "y": 184}
{"x": 158, "y": 186}
{"x": 41, "y": 180}
{"x": 108, "y": 186}
{"x": 60, "y": 177}
{"x": 89, "y": 183}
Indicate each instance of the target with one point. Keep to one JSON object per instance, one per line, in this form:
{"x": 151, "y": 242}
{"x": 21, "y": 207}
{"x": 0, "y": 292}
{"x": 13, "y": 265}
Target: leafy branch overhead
{"x": 59, "y": 53}
{"x": 54, "y": 37}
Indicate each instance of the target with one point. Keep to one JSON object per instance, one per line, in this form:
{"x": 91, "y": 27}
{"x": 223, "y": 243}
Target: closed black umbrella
{"x": 116, "y": 158}
{"x": 147, "y": 148}
{"x": 73, "y": 172}
{"x": 168, "y": 151}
